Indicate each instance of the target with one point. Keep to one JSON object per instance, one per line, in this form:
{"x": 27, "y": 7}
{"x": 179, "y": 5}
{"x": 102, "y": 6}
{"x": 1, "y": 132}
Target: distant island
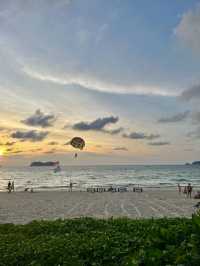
{"x": 194, "y": 163}
{"x": 44, "y": 163}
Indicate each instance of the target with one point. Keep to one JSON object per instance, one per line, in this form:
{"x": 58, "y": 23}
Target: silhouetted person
{"x": 189, "y": 190}
{"x": 13, "y": 186}
{"x": 70, "y": 186}
{"x": 179, "y": 189}
{"x": 9, "y": 187}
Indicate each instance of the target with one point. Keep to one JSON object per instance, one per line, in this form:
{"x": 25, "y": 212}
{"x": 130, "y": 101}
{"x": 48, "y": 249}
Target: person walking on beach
{"x": 9, "y": 187}
{"x": 179, "y": 189}
{"x": 189, "y": 191}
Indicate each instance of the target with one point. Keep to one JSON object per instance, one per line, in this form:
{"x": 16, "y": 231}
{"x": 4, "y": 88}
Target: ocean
{"x": 44, "y": 178}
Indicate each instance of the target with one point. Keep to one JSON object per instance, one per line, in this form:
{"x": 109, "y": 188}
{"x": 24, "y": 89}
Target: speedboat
{"x": 57, "y": 169}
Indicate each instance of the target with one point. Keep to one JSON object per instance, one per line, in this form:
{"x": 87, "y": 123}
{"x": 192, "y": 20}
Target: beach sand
{"x": 23, "y": 207}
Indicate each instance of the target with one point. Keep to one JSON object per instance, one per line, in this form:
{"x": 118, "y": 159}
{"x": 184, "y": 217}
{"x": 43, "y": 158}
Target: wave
{"x": 181, "y": 179}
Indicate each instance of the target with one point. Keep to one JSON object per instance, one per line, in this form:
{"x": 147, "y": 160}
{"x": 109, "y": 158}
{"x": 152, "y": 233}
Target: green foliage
{"x": 87, "y": 241}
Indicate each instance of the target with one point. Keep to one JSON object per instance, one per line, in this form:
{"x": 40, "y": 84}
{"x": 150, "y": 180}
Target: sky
{"x": 123, "y": 75}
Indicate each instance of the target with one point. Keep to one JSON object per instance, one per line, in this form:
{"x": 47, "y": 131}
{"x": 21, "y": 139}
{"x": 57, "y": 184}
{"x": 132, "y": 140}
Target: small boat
{"x": 57, "y": 169}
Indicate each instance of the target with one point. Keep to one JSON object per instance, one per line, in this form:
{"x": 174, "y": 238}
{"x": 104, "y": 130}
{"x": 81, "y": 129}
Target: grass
{"x": 88, "y": 241}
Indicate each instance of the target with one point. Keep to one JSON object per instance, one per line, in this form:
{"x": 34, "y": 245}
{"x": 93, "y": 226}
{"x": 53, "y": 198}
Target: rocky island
{"x": 39, "y": 164}
{"x": 194, "y": 163}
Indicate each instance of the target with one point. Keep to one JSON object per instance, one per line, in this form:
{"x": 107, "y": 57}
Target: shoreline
{"x": 78, "y": 189}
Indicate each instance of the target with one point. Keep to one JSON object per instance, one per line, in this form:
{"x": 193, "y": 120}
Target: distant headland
{"x": 194, "y": 163}
{"x": 44, "y": 163}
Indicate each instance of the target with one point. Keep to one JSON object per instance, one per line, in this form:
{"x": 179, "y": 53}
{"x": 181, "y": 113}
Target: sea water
{"x": 44, "y": 178}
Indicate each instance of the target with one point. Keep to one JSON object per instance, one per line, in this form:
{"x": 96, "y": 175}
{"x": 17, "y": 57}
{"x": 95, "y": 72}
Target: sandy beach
{"x": 23, "y": 207}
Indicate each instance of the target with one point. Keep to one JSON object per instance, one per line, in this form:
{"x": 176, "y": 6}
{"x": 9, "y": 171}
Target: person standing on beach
{"x": 9, "y": 187}
{"x": 179, "y": 189}
{"x": 13, "y": 186}
{"x": 189, "y": 191}
{"x": 70, "y": 186}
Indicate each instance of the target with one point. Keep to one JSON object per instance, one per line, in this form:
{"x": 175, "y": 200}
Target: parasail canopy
{"x": 77, "y": 143}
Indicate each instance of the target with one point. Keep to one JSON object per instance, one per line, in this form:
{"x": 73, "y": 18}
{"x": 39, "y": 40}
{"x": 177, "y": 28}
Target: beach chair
{"x": 90, "y": 189}
{"x": 137, "y": 189}
{"x": 122, "y": 189}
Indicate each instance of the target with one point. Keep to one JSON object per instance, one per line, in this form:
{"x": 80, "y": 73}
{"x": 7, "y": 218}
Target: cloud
{"x": 120, "y": 149}
{"x": 140, "y": 135}
{"x": 31, "y": 135}
{"x": 191, "y": 93}
{"x": 34, "y": 150}
{"x": 4, "y": 129}
{"x": 9, "y": 149}
{"x": 188, "y": 29}
{"x": 92, "y": 83}
{"x": 10, "y": 143}
{"x": 97, "y": 125}
{"x": 16, "y": 152}
{"x": 175, "y": 118}
{"x": 50, "y": 151}
{"x": 159, "y": 143}
{"x": 113, "y": 131}
{"x": 40, "y": 119}
{"x": 52, "y": 143}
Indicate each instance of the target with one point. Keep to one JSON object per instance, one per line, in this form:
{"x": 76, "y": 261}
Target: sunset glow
{"x": 1, "y": 152}
{"x": 129, "y": 87}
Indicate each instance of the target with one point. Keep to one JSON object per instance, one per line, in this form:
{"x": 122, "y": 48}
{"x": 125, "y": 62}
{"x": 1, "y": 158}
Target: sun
{"x": 1, "y": 152}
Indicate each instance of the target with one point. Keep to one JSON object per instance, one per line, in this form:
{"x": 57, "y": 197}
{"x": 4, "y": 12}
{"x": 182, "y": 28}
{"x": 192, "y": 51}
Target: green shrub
{"x": 88, "y": 241}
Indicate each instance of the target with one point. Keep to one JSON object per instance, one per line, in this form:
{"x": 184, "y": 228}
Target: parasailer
{"x": 77, "y": 143}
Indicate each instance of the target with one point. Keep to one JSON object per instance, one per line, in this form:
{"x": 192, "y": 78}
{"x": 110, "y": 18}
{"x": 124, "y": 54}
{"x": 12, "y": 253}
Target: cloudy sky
{"x": 124, "y": 75}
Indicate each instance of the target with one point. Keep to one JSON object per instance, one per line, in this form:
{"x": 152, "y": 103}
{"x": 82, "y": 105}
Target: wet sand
{"x": 23, "y": 207}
